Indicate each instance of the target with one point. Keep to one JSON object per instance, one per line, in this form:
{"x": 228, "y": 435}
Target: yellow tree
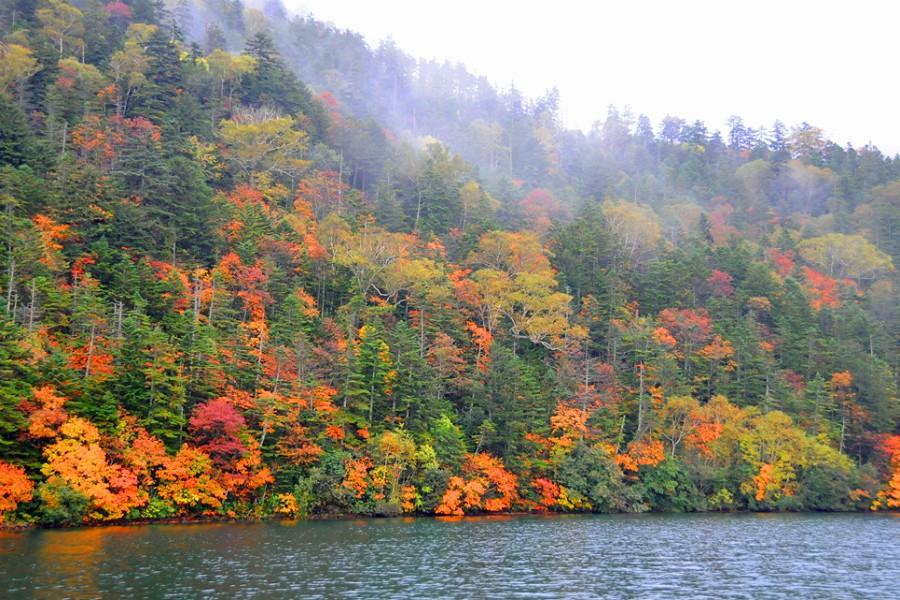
{"x": 636, "y": 227}
{"x": 129, "y": 65}
{"x": 476, "y": 203}
{"x": 517, "y": 281}
{"x": 17, "y": 65}
{"x": 62, "y": 23}
{"x": 776, "y": 451}
{"x": 260, "y": 142}
{"x": 371, "y": 254}
{"x": 421, "y": 282}
{"x": 841, "y": 255}
{"x": 78, "y": 462}
{"x": 679, "y": 417}
{"x": 228, "y": 69}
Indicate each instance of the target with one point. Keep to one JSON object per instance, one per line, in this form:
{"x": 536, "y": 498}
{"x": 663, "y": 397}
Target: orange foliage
{"x": 688, "y": 326}
{"x": 483, "y": 340}
{"x": 308, "y": 302}
{"x": 322, "y": 190}
{"x": 15, "y": 488}
{"x": 145, "y": 456}
{"x": 101, "y": 360}
{"x": 320, "y": 398}
{"x": 762, "y": 481}
{"x": 78, "y": 462}
{"x": 548, "y": 491}
{"x": 451, "y": 500}
{"x": 704, "y": 434}
{"x": 297, "y": 447}
{"x": 489, "y": 486}
{"x": 44, "y": 421}
{"x": 356, "y": 471}
{"x": 168, "y": 272}
{"x": 842, "y": 379}
{"x": 889, "y": 496}
{"x": 335, "y": 432}
{"x": 662, "y": 337}
{"x": 570, "y": 423}
{"x": 642, "y": 453}
{"x": 718, "y": 349}
{"x": 189, "y": 480}
{"x": 244, "y": 196}
{"x": 51, "y": 236}
{"x": 100, "y": 140}
{"x": 248, "y": 473}
{"x": 821, "y": 289}
{"x": 408, "y": 498}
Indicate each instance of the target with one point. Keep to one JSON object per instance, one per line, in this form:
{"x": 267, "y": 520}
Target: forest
{"x": 252, "y": 266}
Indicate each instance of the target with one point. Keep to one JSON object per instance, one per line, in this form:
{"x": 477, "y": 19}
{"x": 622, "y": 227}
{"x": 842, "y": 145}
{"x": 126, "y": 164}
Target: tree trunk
{"x": 9, "y": 287}
{"x": 87, "y": 365}
{"x": 31, "y": 308}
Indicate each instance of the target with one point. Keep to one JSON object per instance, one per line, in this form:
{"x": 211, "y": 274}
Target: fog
{"x": 826, "y": 64}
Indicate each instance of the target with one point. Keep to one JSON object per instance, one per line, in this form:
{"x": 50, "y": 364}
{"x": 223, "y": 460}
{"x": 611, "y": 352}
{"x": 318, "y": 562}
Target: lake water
{"x": 616, "y": 556}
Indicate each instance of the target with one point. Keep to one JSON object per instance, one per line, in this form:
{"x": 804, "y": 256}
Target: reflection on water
{"x": 696, "y": 556}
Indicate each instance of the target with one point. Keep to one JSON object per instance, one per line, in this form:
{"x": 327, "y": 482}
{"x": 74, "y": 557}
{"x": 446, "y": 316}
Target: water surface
{"x": 615, "y": 556}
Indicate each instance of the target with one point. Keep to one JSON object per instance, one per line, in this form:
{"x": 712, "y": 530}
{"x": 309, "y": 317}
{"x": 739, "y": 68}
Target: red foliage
{"x": 784, "y": 261}
{"x": 322, "y": 191}
{"x": 689, "y": 326}
{"x": 216, "y": 426}
{"x": 118, "y": 9}
{"x": 719, "y": 227}
{"x": 540, "y": 208}
{"x": 720, "y": 283}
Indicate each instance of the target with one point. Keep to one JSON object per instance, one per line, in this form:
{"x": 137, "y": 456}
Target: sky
{"x": 832, "y": 64}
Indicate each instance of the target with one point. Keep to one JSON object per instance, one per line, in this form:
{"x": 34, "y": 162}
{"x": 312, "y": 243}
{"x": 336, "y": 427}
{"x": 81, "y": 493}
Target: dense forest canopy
{"x": 253, "y": 266}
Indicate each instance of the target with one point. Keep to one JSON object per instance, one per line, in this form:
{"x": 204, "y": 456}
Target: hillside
{"x": 253, "y": 266}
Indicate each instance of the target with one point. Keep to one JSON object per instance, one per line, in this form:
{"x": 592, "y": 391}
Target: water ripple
{"x": 625, "y": 556}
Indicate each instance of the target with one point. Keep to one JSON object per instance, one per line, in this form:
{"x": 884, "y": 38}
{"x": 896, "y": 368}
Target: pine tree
{"x": 16, "y": 142}
{"x": 272, "y": 83}
{"x": 372, "y": 375}
{"x": 16, "y": 377}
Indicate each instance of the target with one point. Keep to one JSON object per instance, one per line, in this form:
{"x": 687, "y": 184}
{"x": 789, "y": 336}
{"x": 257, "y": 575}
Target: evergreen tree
{"x": 16, "y": 142}
{"x": 271, "y": 83}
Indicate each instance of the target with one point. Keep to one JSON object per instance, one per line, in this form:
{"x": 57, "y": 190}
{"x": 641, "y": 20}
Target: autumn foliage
{"x": 15, "y": 488}
{"x": 225, "y": 295}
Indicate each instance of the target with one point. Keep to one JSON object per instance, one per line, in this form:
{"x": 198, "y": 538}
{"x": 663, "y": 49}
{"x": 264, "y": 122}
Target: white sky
{"x": 833, "y": 64}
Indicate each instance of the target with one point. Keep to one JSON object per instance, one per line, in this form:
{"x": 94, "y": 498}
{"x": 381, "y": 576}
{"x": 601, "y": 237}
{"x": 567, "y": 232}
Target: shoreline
{"x": 213, "y": 520}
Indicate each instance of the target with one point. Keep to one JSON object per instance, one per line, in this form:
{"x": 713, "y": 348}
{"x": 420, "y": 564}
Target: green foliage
{"x": 667, "y": 487}
{"x": 16, "y": 377}
{"x": 60, "y": 505}
{"x": 594, "y": 480}
{"x": 16, "y": 142}
{"x": 449, "y": 443}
